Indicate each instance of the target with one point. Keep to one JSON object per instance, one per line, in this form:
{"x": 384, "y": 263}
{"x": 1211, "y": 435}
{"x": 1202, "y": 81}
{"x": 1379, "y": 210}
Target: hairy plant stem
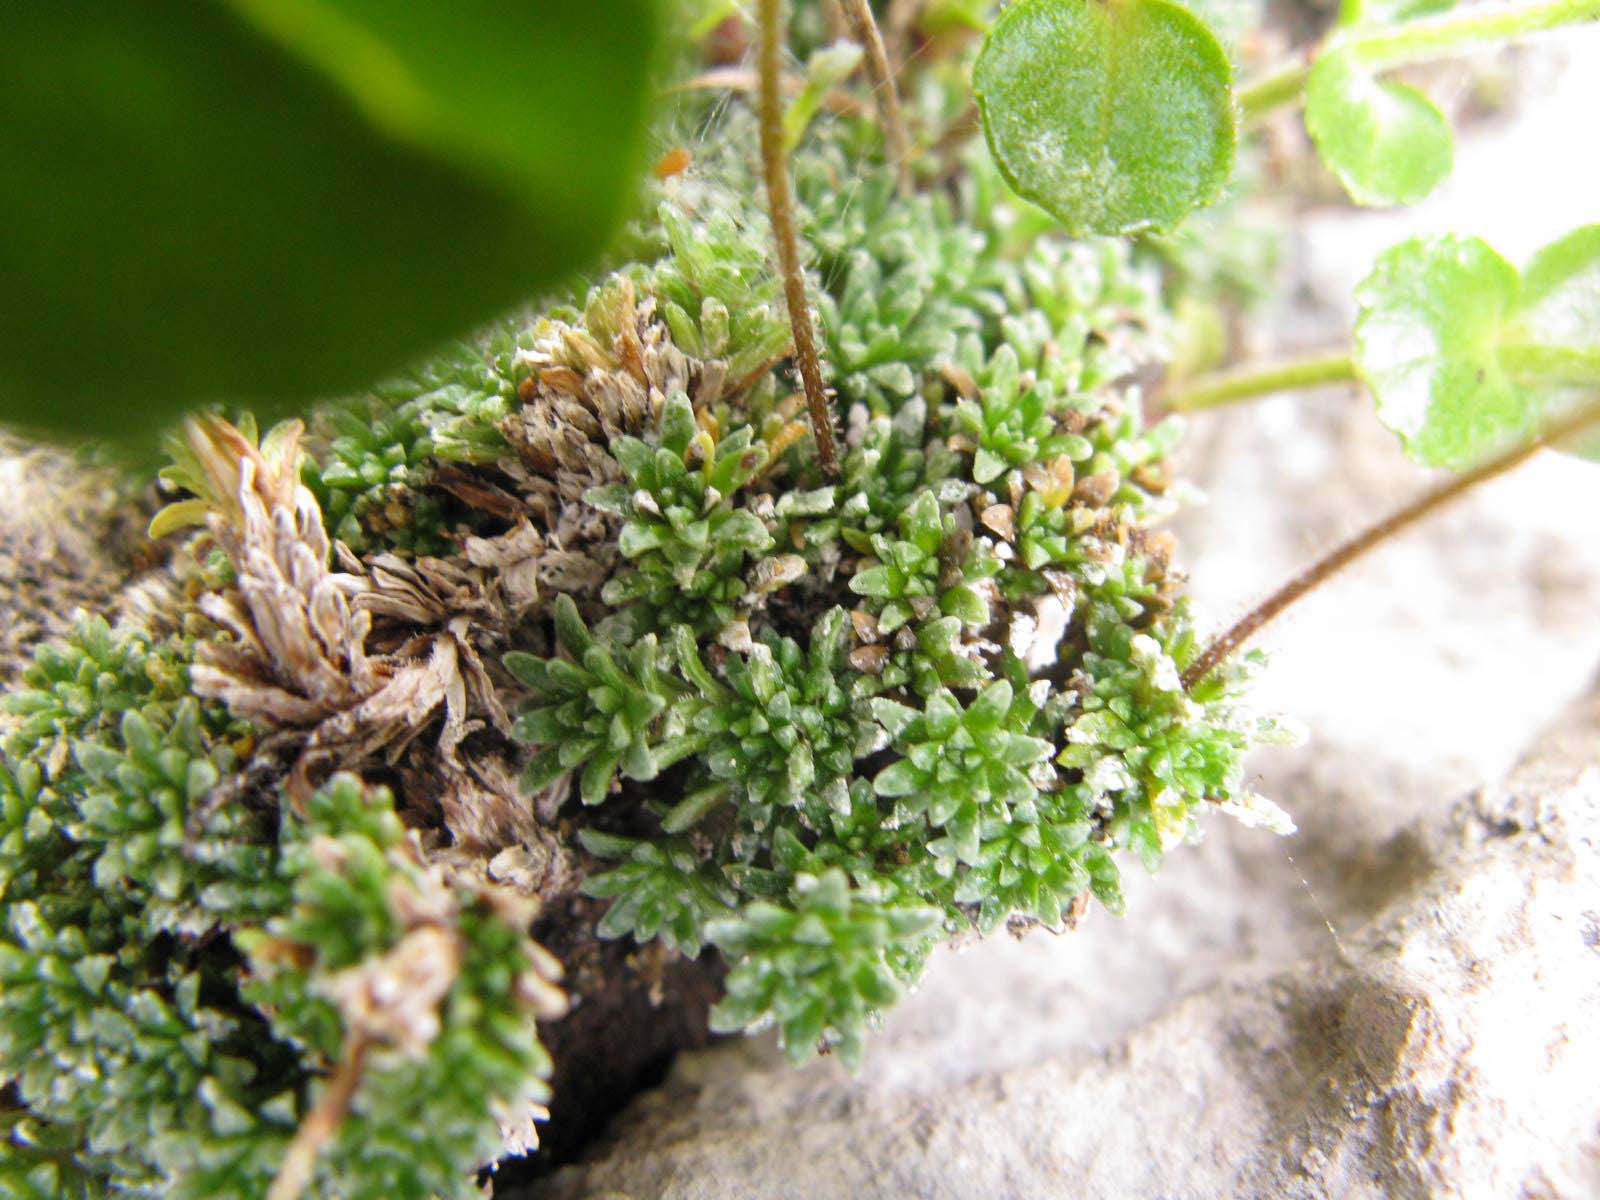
{"x": 1223, "y": 647}
{"x": 780, "y": 208}
{"x": 1286, "y": 85}
{"x": 1417, "y": 41}
{"x": 1228, "y": 387}
{"x": 300, "y": 1161}
{"x": 884, "y": 93}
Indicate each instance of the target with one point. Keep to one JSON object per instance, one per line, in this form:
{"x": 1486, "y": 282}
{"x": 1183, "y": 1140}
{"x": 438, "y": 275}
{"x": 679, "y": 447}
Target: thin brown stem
{"x": 884, "y": 92}
{"x": 780, "y": 207}
{"x": 897, "y": 24}
{"x": 320, "y": 1124}
{"x": 833, "y": 20}
{"x": 1429, "y": 502}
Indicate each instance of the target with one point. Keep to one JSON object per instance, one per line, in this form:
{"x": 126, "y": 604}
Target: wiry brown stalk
{"x": 780, "y": 206}
{"x": 833, "y": 19}
{"x": 1429, "y": 502}
{"x": 320, "y": 1124}
{"x": 884, "y": 93}
{"x": 902, "y": 15}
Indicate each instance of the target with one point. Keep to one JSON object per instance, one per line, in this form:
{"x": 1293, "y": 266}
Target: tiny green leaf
{"x": 1386, "y": 142}
{"x": 964, "y": 602}
{"x": 1427, "y": 344}
{"x": 1112, "y": 115}
{"x": 605, "y": 845}
{"x": 874, "y": 581}
{"x": 897, "y": 779}
{"x": 571, "y": 632}
{"x": 691, "y": 808}
{"x": 825, "y": 69}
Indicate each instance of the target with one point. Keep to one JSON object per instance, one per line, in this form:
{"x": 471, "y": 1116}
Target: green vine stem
{"x": 1395, "y": 523}
{"x": 780, "y": 207}
{"x": 1550, "y": 365}
{"x": 884, "y": 92}
{"x": 1418, "y": 41}
{"x": 1229, "y": 387}
{"x": 1282, "y": 87}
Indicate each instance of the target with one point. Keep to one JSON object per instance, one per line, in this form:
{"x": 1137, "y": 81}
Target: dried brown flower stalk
{"x": 780, "y": 210}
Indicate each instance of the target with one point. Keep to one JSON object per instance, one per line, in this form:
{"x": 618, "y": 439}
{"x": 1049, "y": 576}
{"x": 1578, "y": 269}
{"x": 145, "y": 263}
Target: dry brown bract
{"x": 588, "y": 384}
{"x": 394, "y": 998}
{"x": 298, "y": 661}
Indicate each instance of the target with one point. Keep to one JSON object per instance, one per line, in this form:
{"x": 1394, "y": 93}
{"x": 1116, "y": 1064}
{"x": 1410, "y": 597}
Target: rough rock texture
{"x": 1443, "y": 1047}
{"x": 69, "y": 537}
{"x": 1399, "y": 1000}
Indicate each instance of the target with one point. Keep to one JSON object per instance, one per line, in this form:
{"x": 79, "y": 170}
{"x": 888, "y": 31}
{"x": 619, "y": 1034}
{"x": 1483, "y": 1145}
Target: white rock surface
{"x": 1445, "y": 1047}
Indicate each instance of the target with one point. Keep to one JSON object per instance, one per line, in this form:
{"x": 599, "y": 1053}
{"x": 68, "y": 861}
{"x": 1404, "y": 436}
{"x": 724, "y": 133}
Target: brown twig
{"x": 833, "y": 19}
{"x": 1342, "y": 556}
{"x": 780, "y": 207}
{"x": 319, "y": 1124}
{"x": 884, "y": 92}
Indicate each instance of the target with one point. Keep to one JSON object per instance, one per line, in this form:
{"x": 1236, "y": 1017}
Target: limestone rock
{"x": 1444, "y": 1047}
{"x": 69, "y": 531}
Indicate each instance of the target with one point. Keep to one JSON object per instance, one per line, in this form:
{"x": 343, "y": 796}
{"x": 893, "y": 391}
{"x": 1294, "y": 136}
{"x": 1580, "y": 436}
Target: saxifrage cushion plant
{"x": 572, "y": 624}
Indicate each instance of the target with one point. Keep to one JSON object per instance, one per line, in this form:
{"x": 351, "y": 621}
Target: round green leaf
{"x": 1387, "y": 142}
{"x": 1427, "y": 345}
{"x": 260, "y": 200}
{"x": 1112, "y": 115}
{"x": 1231, "y": 20}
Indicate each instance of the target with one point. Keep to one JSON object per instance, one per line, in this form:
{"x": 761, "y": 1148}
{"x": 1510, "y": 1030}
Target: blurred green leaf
{"x": 1113, "y": 115}
{"x": 943, "y": 16}
{"x": 1428, "y": 346}
{"x": 706, "y": 15}
{"x": 1396, "y": 12}
{"x": 1231, "y": 20}
{"x": 274, "y": 199}
{"x": 1387, "y": 142}
{"x": 825, "y": 70}
{"x": 1558, "y": 320}
{"x": 1561, "y": 293}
